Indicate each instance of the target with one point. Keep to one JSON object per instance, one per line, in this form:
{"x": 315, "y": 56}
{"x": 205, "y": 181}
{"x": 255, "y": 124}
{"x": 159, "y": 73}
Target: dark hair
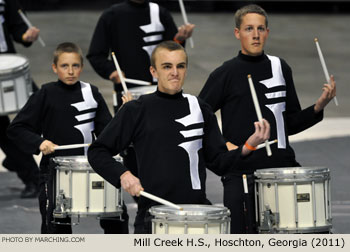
{"x": 251, "y": 8}
{"x": 169, "y": 45}
{"x": 67, "y": 47}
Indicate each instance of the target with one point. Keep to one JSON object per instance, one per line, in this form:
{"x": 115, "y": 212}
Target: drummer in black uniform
{"x": 227, "y": 89}
{"x": 13, "y": 27}
{"x": 175, "y": 135}
{"x": 63, "y": 112}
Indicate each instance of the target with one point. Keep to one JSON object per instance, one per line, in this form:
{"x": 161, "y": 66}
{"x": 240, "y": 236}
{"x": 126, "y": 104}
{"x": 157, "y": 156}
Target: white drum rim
{"x": 292, "y": 173}
{"x": 323, "y": 228}
{"x": 116, "y": 213}
{"x": 142, "y": 90}
{"x": 76, "y": 163}
{"x": 16, "y": 68}
{"x": 196, "y": 212}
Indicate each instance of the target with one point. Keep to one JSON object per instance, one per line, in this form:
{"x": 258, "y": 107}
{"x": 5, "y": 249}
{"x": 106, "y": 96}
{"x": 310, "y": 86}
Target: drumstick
{"x": 184, "y": 16}
{"x": 115, "y": 102}
{"x": 121, "y": 77}
{"x": 159, "y": 200}
{"x": 263, "y": 144}
{"x": 26, "y": 20}
{"x": 258, "y": 111}
{"x": 139, "y": 82}
{"x": 70, "y": 146}
{"x": 245, "y": 184}
{"x": 323, "y": 63}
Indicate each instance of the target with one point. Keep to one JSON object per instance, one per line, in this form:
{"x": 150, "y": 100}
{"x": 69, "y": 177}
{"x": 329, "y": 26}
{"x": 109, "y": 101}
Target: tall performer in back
{"x": 132, "y": 29}
{"x": 227, "y": 89}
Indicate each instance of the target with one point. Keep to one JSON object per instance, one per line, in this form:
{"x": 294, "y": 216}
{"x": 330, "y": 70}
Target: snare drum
{"x": 81, "y": 192}
{"x": 137, "y": 92}
{"x": 293, "y": 200}
{"x": 15, "y": 83}
{"x": 193, "y": 219}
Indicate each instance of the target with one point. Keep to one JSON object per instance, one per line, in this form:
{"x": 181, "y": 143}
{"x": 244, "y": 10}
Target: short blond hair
{"x": 170, "y": 46}
{"x": 251, "y": 8}
{"x": 67, "y": 47}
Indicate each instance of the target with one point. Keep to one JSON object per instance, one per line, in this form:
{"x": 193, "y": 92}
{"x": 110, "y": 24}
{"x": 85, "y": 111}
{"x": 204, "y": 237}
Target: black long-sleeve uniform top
{"x": 227, "y": 89}
{"x": 12, "y": 24}
{"x": 173, "y": 147}
{"x": 119, "y": 30}
{"x": 63, "y": 114}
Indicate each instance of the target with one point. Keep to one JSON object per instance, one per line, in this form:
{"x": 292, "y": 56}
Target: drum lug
{"x": 269, "y": 221}
{"x": 62, "y": 204}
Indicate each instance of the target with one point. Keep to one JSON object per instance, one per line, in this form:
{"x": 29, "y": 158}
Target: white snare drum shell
{"x": 90, "y": 194}
{"x": 299, "y": 197}
{"x": 15, "y": 83}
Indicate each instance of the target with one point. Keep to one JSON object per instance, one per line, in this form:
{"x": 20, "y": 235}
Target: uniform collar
{"x": 169, "y": 96}
{"x": 137, "y": 5}
{"x": 69, "y": 87}
{"x": 251, "y": 58}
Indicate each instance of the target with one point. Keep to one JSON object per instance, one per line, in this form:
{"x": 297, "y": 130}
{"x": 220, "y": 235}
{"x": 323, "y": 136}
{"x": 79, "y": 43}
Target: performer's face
{"x": 68, "y": 68}
{"x": 252, "y": 34}
{"x": 170, "y": 70}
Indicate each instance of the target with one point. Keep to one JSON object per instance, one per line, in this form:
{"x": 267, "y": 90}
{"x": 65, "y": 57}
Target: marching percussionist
{"x": 175, "y": 135}
{"x": 13, "y": 27}
{"x": 132, "y": 29}
{"x": 66, "y": 111}
{"x": 227, "y": 89}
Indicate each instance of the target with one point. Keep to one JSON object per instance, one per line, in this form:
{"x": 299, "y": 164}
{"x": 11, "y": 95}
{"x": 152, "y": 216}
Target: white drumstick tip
{"x": 121, "y": 77}
{"x": 245, "y": 184}
{"x": 160, "y": 200}
{"x": 184, "y": 16}
{"x": 324, "y": 67}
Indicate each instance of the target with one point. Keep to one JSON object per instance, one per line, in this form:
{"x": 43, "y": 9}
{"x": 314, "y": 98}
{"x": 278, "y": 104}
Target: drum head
{"x": 10, "y": 63}
{"x": 292, "y": 172}
{"x": 76, "y": 162}
{"x": 191, "y": 211}
{"x": 72, "y": 162}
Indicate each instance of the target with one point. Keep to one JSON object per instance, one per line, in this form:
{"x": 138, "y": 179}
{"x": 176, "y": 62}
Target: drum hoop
{"x": 292, "y": 180}
{"x": 291, "y": 172}
{"x": 9, "y": 112}
{"x": 75, "y": 163}
{"x": 136, "y": 92}
{"x": 117, "y": 212}
{"x": 14, "y": 74}
{"x": 142, "y": 89}
{"x": 15, "y": 69}
{"x": 170, "y": 213}
{"x": 193, "y": 221}
{"x": 303, "y": 230}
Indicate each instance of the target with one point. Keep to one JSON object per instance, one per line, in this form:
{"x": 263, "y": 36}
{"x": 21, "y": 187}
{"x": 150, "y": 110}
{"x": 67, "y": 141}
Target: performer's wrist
{"x": 124, "y": 174}
{"x": 249, "y": 147}
{"x": 178, "y": 41}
